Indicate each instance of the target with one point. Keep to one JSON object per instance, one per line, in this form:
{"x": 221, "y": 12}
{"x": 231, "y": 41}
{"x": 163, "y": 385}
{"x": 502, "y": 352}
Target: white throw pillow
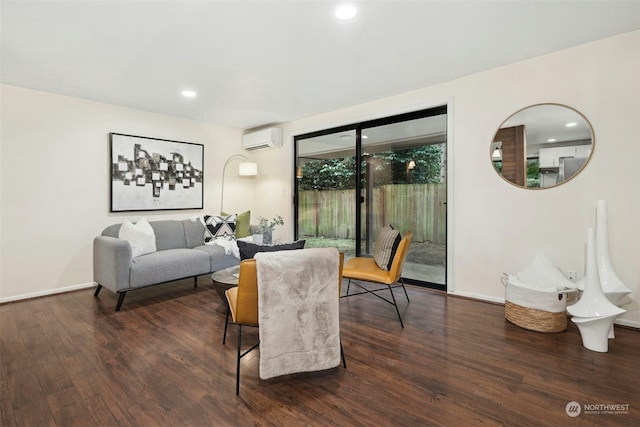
{"x": 140, "y": 236}
{"x": 542, "y": 274}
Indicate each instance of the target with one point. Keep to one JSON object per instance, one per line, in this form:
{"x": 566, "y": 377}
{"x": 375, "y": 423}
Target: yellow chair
{"x": 243, "y": 307}
{"x": 366, "y": 270}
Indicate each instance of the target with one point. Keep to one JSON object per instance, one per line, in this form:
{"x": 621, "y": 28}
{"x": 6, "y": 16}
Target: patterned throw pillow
{"x": 219, "y": 226}
{"x": 243, "y": 224}
{"x": 385, "y": 247}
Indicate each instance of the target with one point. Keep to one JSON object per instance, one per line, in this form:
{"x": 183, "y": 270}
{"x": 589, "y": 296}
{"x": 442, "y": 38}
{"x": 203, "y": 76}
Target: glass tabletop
{"x": 227, "y": 276}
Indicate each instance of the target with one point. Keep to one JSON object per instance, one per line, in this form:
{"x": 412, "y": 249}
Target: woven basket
{"x": 526, "y": 308}
{"x": 534, "y": 319}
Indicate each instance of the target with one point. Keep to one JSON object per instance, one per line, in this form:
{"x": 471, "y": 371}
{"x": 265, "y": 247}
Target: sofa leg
{"x": 98, "y": 289}
{"x": 120, "y": 299}
{"x": 195, "y": 281}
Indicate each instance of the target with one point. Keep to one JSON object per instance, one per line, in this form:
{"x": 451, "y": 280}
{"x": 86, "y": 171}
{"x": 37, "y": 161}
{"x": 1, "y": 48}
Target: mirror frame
{"x": 510, "y": 117}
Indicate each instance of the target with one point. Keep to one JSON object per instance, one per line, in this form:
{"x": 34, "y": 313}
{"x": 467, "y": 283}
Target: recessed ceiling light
{"x": 188, "y": 94}
{"x": 551, "y": 140}
{"x": 346, "y": 11}
{"x": 365, "y": 137}
{"x": 572, "y": 124}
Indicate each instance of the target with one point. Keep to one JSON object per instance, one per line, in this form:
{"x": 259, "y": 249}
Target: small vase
{"x": 267, "y": 236}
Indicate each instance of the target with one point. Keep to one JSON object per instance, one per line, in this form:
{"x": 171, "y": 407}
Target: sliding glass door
{"x": 325, "y": 190}
{"x": 354, "y": 180}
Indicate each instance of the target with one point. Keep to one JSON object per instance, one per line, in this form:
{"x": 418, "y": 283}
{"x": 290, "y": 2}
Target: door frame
{"x": 349, "y": 124}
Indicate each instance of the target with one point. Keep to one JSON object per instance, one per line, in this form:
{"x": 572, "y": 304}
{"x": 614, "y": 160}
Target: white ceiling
{"x": 264, "y": 62}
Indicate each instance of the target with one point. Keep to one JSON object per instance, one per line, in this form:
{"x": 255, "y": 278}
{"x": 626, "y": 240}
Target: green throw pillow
{"x": 243, "y": 224}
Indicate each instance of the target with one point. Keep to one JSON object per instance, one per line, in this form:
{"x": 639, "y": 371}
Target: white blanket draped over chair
{"x": 298, "y": 311}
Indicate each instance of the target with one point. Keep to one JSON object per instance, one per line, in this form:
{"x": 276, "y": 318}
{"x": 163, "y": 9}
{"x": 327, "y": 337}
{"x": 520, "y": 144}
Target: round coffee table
{"x": 225, "y": 279}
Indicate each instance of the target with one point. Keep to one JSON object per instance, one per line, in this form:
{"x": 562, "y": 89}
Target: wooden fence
{"x": 417, "y": 207}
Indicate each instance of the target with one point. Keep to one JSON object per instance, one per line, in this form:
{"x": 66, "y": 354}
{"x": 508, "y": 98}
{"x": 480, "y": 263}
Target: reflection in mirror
{"x": 542, "y": 146}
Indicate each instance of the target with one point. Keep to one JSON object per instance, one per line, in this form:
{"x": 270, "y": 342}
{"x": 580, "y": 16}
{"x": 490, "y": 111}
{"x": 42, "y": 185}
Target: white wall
{"x": 50, "y": 214}
{"x": 55, "y": 183}
{"x": 495, "y": 227}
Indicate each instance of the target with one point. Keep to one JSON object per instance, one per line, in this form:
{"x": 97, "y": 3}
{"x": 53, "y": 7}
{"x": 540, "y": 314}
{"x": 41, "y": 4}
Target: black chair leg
{"x": 344, "y": 361}
{"x": 120, "y": 299}
{"x": 404, "y": 289}
{"x": 98, "y": 289}
{"x": 395, "y": 304}
{"x": 348, "y": 285}
{"x": 238, "y": 361}
{"x": 226, "y": 325}
{"x": 195, "y": 281}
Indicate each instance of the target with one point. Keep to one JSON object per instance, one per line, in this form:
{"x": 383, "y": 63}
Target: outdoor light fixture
{"x": 244, "y": 169}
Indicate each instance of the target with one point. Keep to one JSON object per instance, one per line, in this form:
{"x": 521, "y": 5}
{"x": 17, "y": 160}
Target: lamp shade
{"x": 248, "y": 169}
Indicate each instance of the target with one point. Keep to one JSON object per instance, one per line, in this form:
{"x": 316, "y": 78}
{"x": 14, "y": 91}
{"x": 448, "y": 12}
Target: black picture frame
{"x": 150, "y": 174}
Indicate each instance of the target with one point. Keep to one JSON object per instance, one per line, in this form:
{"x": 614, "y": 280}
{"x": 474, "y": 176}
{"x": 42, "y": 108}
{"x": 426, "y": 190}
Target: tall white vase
{"x": 594, "y": 330}
{"x": 593, "y": 302}
{"x": 594, "y": 314}
{"x": 612, "y": 286}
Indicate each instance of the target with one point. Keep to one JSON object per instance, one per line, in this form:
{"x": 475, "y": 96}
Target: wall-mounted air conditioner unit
{"x": 261, "y": 139}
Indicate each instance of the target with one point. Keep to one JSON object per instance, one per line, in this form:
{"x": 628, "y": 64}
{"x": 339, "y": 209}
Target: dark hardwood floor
{"x": 70, "y": 360}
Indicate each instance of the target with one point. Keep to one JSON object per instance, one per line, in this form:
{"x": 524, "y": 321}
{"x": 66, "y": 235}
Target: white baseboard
{"x": 622, "y": 322}
{"x": 477, "y": 296}
{"x": 629, "y": 323}
{"x": 49, "y": 292}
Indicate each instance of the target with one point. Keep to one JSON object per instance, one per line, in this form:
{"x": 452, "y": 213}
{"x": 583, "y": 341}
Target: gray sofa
{"x": 181, "y": 253}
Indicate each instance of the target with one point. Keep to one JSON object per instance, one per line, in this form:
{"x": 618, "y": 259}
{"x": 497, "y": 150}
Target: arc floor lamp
{"x": 245, "y": 168}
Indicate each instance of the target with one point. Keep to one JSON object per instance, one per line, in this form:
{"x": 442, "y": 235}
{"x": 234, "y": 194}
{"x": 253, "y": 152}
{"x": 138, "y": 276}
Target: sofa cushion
{"x": 249, "y": 250}
{"x": 167, "y": 265}
{"x": 219, "y": 259}
{"x": 112, "y": 230}
{"x": 169, "y": 234}
{"x": 193, "y": 232}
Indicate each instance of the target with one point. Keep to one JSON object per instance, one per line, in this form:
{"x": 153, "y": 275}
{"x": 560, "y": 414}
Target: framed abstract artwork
{"x": 150, "y": 174}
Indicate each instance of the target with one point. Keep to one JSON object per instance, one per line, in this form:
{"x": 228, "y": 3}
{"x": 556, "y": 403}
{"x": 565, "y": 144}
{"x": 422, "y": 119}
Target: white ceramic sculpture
{"x": 594, "y": 331}
{"x": 612, "y": 286}
{"x": 594, "y": 313}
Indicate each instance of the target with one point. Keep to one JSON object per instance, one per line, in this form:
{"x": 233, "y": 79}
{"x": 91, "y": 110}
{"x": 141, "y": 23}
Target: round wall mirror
{"x": 542, "y": 146}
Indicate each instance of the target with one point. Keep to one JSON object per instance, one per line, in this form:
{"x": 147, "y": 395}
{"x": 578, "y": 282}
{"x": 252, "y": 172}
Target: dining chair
{"x": 243, "y": 308}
